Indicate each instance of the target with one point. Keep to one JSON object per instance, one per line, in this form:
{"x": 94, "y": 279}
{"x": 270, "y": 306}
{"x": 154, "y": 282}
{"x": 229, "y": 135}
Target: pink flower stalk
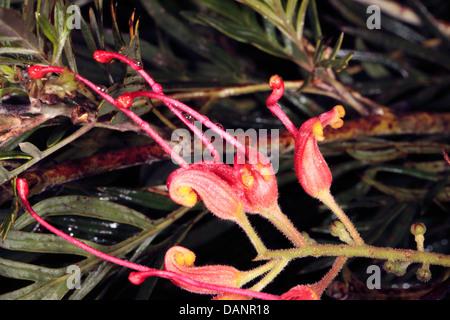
{"x": 128, "y": 97}
{"x": 135, "y": 277}
{"x": 106, "y": 56}
{"x": 196, "y": 115}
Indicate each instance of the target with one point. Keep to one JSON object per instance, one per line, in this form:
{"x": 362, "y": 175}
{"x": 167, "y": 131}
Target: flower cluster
{"x": 249, "y": 186}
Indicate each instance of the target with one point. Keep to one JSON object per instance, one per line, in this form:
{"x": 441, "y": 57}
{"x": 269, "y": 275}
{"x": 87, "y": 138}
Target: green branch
{"x": 364, "y": 251}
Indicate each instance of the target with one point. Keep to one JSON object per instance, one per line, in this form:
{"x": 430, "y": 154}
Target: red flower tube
{"x": 260, "y": 190}
{"x": 312, "y": 170}
{"x": 277, "y": 85}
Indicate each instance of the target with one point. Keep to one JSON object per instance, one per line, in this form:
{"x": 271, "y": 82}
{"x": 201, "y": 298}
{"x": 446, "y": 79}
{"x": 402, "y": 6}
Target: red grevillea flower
{"x": 300, "y": 292}
{"x": 311, "y": 168}
{"x": 181, "y": 260}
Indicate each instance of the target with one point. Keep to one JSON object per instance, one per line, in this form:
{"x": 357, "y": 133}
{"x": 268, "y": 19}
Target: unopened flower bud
{"x": 423, "y": 274}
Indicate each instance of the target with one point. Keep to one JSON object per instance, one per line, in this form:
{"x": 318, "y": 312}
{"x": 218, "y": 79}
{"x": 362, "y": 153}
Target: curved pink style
{"x": 277, "y": 85}
{"x": 185, "y": 185}
{"x": 300, "y": 292}
{"x": 181, "y": 261}
{"x": 259, "y": 185}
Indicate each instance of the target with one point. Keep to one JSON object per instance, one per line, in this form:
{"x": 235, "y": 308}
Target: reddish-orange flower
{"x": 210, "y": 183}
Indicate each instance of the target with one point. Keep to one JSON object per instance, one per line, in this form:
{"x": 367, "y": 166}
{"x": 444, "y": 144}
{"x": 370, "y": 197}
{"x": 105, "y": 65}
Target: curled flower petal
{"x": 300, "y": 292}
{"x": 181, "y": 261}
{"x": 312, "y": 170}
{"x": 186, "y": 185}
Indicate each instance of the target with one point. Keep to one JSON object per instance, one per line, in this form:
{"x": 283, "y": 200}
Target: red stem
{"x": 22, "y": 190}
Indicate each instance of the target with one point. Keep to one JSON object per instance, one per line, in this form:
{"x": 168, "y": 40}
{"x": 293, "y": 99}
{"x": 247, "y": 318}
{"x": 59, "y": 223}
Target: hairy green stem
{"x": 248, "y": 276}
{"x": 363, "y": 251}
